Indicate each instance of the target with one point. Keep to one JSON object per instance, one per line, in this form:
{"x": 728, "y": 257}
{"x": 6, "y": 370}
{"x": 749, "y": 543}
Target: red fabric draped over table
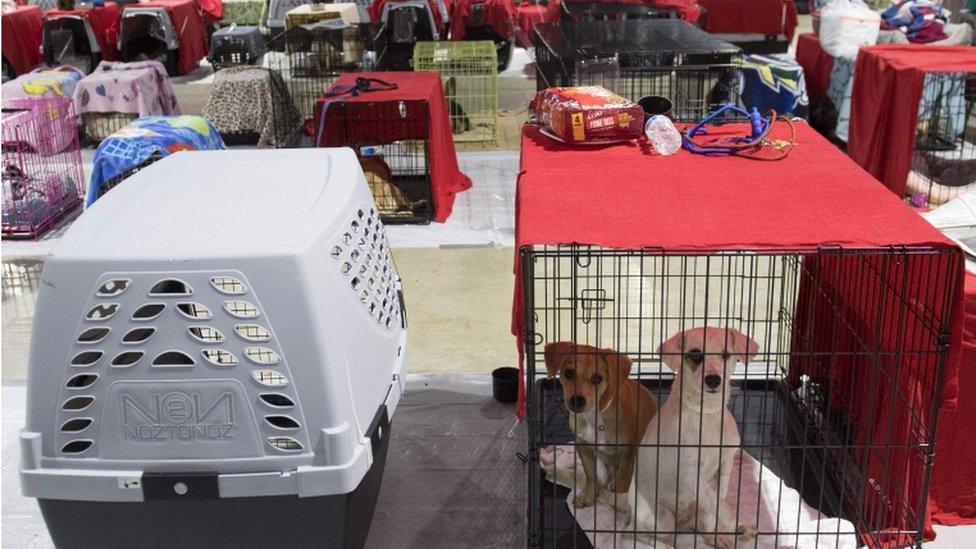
{"x": 529, "y": 15}
{"x": 888, "y": 83}
{"x": 188, "y": 22}
{"x": 816, "y": 64}
{"x": 105, "y": 22}
{"x": 768, "y": 17}
{"x": 499, "y": 15}
{"x": 621, "y": 197}
{"x": 423, "y": 87}
{"x": 21, "y": 38}
{"x": 213, "y": 9}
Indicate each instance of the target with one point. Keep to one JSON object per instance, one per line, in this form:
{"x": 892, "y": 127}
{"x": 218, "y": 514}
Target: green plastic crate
{"x": 469, "y": 73}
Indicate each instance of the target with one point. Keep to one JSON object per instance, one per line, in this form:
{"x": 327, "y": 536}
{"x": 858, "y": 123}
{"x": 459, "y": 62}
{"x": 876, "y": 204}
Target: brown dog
{"x": 608, "y": 412}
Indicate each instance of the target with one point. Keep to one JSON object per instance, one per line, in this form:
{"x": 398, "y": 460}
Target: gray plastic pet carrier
{"x": 236, "y": 45}
{"x": 217, "y": 365}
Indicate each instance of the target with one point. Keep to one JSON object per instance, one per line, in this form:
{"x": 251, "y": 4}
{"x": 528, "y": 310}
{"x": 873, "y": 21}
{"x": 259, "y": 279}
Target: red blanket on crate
{"x": 884, "y": 104}
{"x": 499, "y": 15}
{"x": 689, "y": 10}
{"x": 190, "y": 30}
{"x": 528, "y": 15}
{"x": 105, "y": 22}
{"x": 621, "y": 197}
{"x": 768, "y": 17}
{"x": 21, "y": 38}
{"x": 816, "y": 64}
{"x": 446, "y": 179}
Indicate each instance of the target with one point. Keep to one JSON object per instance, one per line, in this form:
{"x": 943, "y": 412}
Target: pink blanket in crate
{"x": 141, "y": 88}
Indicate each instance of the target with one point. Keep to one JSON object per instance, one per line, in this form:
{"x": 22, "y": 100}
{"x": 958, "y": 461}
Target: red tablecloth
{"x": 105, "y": 22}
{"x": 499, "y": 15}
{"x": 888, "y": 83}
{"x": 620, "y": 197}
{"x": 769, "y": 17}
{"x": 192, "y": 34}
{"x": 528, "y": 16}
{"x": 376, "y": 12}
{"x": 816, "y": 64}
{"x": 689, "y": 10}
{"x": 213, "y": 9}
{"x": 21, "y": 37}
{"x": 423, "y": 87}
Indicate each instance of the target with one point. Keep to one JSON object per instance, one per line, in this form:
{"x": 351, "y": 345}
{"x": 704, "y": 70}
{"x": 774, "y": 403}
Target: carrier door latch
{"x": 160, "y": 486}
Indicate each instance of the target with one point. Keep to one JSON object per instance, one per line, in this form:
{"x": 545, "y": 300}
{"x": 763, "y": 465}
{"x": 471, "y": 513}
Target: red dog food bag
{"x": 588, "y": 113}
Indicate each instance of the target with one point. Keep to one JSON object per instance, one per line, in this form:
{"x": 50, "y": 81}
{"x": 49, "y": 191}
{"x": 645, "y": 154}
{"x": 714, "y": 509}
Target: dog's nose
{"x": 713, "y": 381}
{"x": 577, "y": 404}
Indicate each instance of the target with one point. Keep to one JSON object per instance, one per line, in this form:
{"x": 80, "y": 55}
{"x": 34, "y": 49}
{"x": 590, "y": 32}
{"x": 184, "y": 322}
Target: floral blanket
{"x": 141, "y": 88}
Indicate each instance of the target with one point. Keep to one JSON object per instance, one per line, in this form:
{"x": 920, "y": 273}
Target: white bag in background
{"x": 846, "y": 25}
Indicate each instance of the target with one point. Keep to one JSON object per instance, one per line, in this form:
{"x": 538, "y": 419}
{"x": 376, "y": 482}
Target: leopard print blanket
{"x": 249, "y": 99}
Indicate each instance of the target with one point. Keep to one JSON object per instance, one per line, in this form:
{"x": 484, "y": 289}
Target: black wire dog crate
{"x": 391, "y": 139}
{"x": 944, "y": 163}
{"x": 638, "y": 58}
{"x": 830, "y": 362}
{"x": 111, "y": 183}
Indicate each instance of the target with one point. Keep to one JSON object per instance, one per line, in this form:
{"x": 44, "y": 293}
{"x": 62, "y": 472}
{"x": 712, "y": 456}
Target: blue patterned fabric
{"x": 131, "y": 146}
{"x": 774, "y": 82}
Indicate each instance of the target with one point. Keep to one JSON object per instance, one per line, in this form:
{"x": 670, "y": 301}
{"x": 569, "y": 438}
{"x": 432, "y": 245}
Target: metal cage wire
{"x": 839, "y": 403}
{"x": 469, "y": 74}
{"x": 99, "y": 125}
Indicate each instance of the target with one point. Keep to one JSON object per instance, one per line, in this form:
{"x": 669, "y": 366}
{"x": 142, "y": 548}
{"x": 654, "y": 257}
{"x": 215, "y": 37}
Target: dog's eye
{"x": 695, "y": 356}
{"x": 569, "y": 374}
{"x": 596, "y": 379}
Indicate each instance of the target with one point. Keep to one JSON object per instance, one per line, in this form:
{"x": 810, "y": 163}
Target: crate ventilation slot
{"x": 282, "y": 422}
{"x": 102, "y": 312}
{"x": 252, "y": 332}
{"x": 93, "y": 335}
{"x": 86, "y": 358}
{"x": 196, "y": 311}
{"x": 269, "y": 378}
{"x": 81, "y": 380}
{"x": 228, "y": 285}
{"x": 113, "y": 288}
{"x": 171, "y": 287}
{"x": 75, "y": 404}
{"x": 173, "y": 359}
{"x": 219, "y": 357}
{"x": 75, "y": 425}
{"x": 277, "y": 400}
{"x": 127, "y": 359}
{"x": 138, "y": 335}
{"x": 285, "y": 444}
{"x": 206, "y": 334}
{"x": 262, "y": 356}
{"x": 369, "y": 265}
{"x": 241, "y": 309}
{"x": 76, "y": 446}
{"x": 148, "y": 311}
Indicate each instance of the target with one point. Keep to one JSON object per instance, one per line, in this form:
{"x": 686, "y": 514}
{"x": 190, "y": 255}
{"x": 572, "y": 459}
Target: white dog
{"x": 684, "y": 462}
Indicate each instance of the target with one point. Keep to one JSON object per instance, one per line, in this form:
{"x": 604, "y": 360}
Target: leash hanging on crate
{"x": 759, "y": 145}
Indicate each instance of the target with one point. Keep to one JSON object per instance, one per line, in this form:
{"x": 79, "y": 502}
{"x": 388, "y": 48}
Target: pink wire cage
{"x": 43, "y": 180}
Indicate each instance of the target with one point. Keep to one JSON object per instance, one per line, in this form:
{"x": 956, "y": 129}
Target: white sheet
{"x": 762, "y": 494}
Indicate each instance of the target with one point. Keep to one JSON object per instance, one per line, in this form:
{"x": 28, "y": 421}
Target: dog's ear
{"x": 671, "y": 351}
{"x": 742, "y": 346}
{"x": 556, "y": 354}
{"x": 618, "y": 366}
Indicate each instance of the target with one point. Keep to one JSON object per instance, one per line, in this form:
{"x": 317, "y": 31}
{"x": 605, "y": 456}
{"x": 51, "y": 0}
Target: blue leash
{"x": 760, "y": 128}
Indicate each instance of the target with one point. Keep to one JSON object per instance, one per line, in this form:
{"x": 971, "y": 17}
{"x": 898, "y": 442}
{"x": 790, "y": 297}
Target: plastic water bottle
{"x": 662, "y": 134}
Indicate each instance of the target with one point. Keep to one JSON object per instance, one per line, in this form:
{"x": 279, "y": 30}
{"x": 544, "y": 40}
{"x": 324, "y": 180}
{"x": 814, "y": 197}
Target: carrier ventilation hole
{"x": 148, "y": 311}
{"x": 277, "y": 400}
{"x": 241, "y": 309}
{"x": 219, "y": 357}
{"x": 345, "y": 267}
{"x": 113, "y": 288}
{"x": 282, "y": 422}
{"x": 355, "y": 226}
{"x": 206, "y": 334}
{"x": 175, "y": 359}
{"x": 77, "y": 403}
{"x": 76, "y": 446}
{"x": 285, "y": 444}
{"x": 75, "y": 425}
{"x": 336, "y": 252}
{"x": 171, "y": 286}
{"x": 228, "y": 285}
{"x": 86, "y": 358}
{"x": 101, "y": 312}
{"x": 252, "y": 332}
{"x": 127, "y": 359}
{"x": 81, "y": 380}
{"x": 262, "y": 356}
{"x": 93, "y": 335}
{"x": 138, "y": 335}
{"x": 269, "y": 378}
{"x": 196, "y": 311}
